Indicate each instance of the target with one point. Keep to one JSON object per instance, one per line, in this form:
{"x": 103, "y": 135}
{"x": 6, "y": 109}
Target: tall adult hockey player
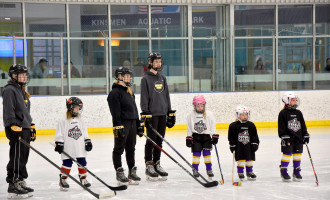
{"x": 126, "y": 125}
{"x": 155, "y": 102}
{"x": 18, "y": 123}
{"x": 244, "y": 141}
{"x": 293, "y": 133}
{"x": 71, "y": 136}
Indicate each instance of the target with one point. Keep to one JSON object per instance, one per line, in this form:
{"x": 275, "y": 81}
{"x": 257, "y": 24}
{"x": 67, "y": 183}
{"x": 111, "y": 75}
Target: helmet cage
{"x": 73, "y": 102}
{"x": 287, "y": 98}
{"x": 19, "y": 69}
{"x": 152, "y": 57}
{"x": 240, "y": 110}
{"x": 122, "y": 71}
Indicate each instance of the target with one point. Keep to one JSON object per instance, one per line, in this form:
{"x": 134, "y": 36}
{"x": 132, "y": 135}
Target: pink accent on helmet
{"x": 198, "y": 100}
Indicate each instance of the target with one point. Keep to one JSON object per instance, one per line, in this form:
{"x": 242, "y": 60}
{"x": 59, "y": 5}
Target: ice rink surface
{"x": 43, "y": 177}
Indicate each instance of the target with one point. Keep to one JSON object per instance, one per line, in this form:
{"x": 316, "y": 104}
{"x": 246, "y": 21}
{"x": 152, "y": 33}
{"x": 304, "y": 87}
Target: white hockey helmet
{"x": 242, "y": 109}
{"x": 288, "y": 96}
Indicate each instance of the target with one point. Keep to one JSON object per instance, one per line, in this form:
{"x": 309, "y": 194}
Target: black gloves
{"x": 33, "y": 133}
{"x": 254, "y": 147}
{"x": 140, "y": 127}
{"x": 189, "y": 141}
{"x": 118, "y": 132}
{"x": 215, "y": 139}
{"x": 17, "y": 130}
{"x": 59, "y": 147}
{"x": 170, "y": 118}
{"x": 88, "y": 145}
{"x": 232, "y": 148}
{"x": 146, "y": 117}
{"x": 306, "y": 139}
{"x": 285, "y": 140}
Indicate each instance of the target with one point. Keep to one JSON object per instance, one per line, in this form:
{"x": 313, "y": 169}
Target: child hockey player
{"x": 243, "y": 140}
{"x": 72, "y": 137}
{"x": 201, "y": 134}
{"x": 126, "y": 125}
{"x": 155, "y": 103}
{"x": 293, "y": 133}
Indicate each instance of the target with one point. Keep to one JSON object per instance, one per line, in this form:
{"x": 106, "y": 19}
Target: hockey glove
{"x": 215, "y": 138}
{"x": 189, "y": 141}
{"x": 59, "y": 147}
{"x": 118, "y": 131}
{"x": 254, "y": 147}
{"x": 306, "y": 139}
{"x": 285, "y": 141}
{"x": 140, "y": 127}
{"x": 17, "y": 130}
{"x": 33, "y": 133}
{"x": 232, "y": 148}
{"x": 170, "y": 118}
{"x": 146, "y": 117}
{"x": 88, "y": 145}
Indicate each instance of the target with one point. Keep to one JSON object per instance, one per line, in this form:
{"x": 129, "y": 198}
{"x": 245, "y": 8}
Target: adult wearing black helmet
{"x": 156, "y": 111}
{"x": 18, "y": 123}
{"x": 126, "y": 125}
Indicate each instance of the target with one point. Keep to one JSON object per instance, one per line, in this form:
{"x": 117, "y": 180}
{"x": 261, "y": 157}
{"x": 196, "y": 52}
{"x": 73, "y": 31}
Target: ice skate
{"x": 296, "y": 174}
{"x": 25, "y": 187}
{"x": 284, "y": 174}
{"x": 195, "y": 173}
{"x": 132, "y": 177}
{"x": 15, "y": 191}
{"x": 161, "y": 171}
{"x": 64, "y": 186}
{"x": 210, "y": 174}
{"x": 251, "y": 176}
{"x": 241, "y": 176}
{"x": 121, "y": 178}
{"x": 84, "y": 181}
{"x": 151, "y": 174}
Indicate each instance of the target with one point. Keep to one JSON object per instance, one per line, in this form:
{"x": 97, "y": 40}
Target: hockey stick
{"x": 123, "y": 187}
{"x": 208, "y": 184}
{"x": 216, "y": 150}
{"x": 157, "y": 133}
{"x": 98, "y": 196}
{"x": 232, "y": 178}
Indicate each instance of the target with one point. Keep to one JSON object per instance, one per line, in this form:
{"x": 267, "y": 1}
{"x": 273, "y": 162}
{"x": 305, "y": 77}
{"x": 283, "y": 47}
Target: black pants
{"x": 151, "y": 152}
{"x": 18, "y": 155}
{"x": 127, "y": 144}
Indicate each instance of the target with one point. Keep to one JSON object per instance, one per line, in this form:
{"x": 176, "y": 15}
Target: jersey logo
{"x": 244, "y": 137}
{"x": 159, "y": 87}
{"x": 75, "y": 133}
{"x": 200, "y": 126}
{"x": 294, "y": 125}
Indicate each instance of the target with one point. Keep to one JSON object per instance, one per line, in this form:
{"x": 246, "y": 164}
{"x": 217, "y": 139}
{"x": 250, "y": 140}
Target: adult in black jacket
{"x": 18, "y": 123}
{"x": 293, "y": 133}
{"x": 126, "y": 125}
{"x": 155, "y": 103}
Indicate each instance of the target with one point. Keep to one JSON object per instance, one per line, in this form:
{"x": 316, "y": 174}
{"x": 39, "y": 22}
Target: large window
{"x": 322, "y": 19}
{"x": 11, "y": 21}
{"x": 322, "y": 63}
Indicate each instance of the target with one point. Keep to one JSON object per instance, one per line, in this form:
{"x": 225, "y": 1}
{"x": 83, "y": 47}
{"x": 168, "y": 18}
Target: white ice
{"x": 43, "y": 177}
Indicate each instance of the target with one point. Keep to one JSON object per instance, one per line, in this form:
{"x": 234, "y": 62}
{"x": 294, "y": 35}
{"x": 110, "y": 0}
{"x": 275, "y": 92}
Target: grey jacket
{"x": 15, "y": 110}
{"x": 155, "y": 97}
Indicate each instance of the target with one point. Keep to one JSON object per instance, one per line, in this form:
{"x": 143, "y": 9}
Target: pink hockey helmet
{"x": 199, "y": 100}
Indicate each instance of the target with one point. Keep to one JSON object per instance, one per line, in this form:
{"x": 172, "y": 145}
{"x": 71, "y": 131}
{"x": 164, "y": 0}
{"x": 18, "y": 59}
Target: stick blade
{"x": 122, "y": 187}
{"x": 211, "y": 184}
{"x": 317, "y": 183}
{"x": 237, "y": 183}
{"x": 222, "y": 182}
{"x": 107, "y": 195}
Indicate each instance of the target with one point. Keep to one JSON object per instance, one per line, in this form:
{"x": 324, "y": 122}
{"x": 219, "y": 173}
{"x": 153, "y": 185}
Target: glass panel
{"x": 295, "y": 20}
{"x": 175, "y": 67}
{"x": 88, "y": 20}
{"x": 169, "y": 21}
{"x": 254, "y": 20}
{"x": 322, "y": 63}
{"x": 322, "y": 19}
{"x": 45, "y": 19}
{"x": 253, "y": 64}
{"x": 295, "y": 63}
{"x": 206, "y": 21}
{"x": 44, "y": 59}
{"x": 129, "y": 21}
{"x": 88, "y": 59}
{"x": 11, "y": 19}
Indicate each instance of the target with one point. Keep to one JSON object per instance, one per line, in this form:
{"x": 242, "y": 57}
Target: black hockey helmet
{"x": 73, "y": 102}
{"x": 18, "y": 69}
{"x": 122, "y": 71}
{"x": 152, "y": 57}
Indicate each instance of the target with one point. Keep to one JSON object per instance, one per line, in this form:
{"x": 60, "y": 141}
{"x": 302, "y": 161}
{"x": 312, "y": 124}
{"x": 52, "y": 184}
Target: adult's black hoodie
{"x": 122, "y": 105}
{"x": 155, "y": 97}
{"x": 15, "y": 110}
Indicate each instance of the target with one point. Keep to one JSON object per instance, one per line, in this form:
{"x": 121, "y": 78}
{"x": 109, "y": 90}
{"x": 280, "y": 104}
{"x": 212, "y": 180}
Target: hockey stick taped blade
{"x": 221, "y": 182}
{"x": 107, "y": 195}
{"x": 237, "y": 183}
{"x": 211, "y": 184}
{"x": 118, "y": 188}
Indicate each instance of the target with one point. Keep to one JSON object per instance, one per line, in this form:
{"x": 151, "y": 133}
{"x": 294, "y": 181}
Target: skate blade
{"x": 252, "y": 179}
{"x": 64, "y": 189}
{"x": 30, "y": 194}
{"x": 152, "y": 179}
{"x": 296, "y": 179}
{"x": 17, "y": 196}
{"x": 132, "y": 182}
{"x": 210, "y": 178}
{"x": 119, "y": 183}
{"x": 286, "y": 180}
{"x": 163, "y": 178}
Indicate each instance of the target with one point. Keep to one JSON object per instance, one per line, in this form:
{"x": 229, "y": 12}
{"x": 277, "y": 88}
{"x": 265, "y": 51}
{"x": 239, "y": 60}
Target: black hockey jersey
{"x": 242, "y": 135}
{"x": 291, "y": 122}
